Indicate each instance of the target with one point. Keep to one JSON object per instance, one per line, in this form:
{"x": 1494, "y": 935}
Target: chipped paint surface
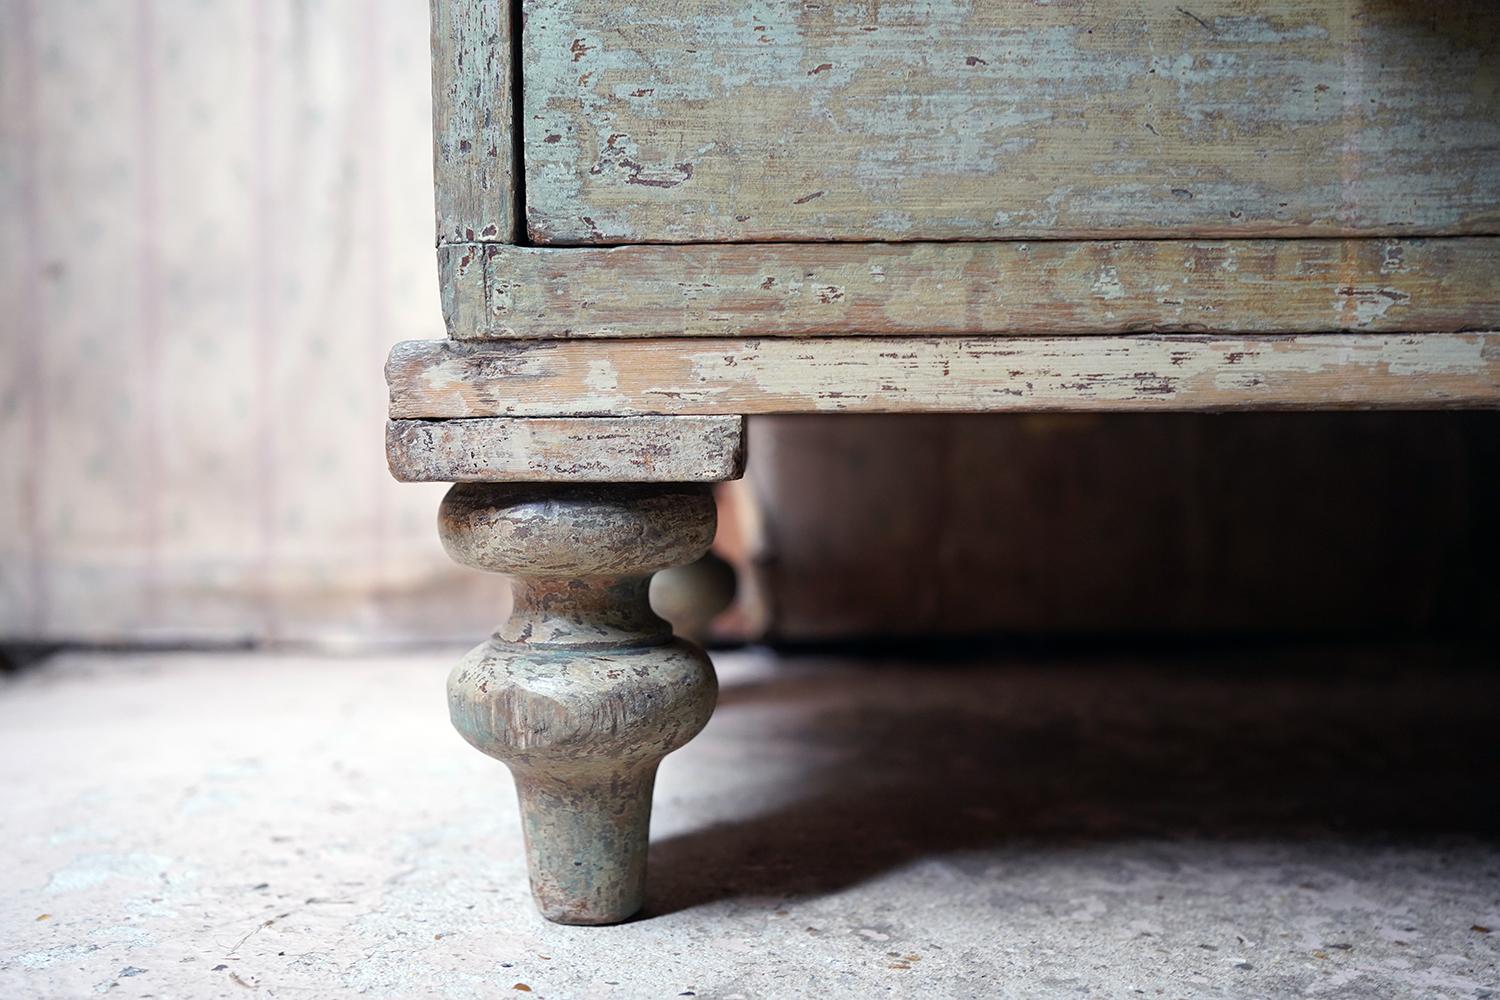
{"x": 445, "y": 379}
{"x": 714, "y": 120}
{"x": 1061, "y": 287}
{"x": 583, "y": 449}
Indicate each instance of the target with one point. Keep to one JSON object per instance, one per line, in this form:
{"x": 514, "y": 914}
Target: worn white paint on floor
{"x": 239, "y": 826}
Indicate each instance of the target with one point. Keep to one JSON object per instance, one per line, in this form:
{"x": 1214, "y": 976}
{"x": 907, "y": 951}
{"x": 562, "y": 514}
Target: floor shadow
{"x": 907, "y": 763}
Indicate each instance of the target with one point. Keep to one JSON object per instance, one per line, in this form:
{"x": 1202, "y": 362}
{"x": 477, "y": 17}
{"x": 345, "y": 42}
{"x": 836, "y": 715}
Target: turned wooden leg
{"x": 583, "y": 690}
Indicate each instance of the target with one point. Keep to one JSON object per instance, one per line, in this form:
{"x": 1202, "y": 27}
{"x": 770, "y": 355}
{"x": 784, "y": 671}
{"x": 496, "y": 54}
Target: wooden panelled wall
{"x": 215, "y": 218}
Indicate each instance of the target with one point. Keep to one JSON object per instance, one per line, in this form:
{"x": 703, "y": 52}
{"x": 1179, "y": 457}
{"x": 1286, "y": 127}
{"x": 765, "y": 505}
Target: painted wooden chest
{"x": 655, "y": 218}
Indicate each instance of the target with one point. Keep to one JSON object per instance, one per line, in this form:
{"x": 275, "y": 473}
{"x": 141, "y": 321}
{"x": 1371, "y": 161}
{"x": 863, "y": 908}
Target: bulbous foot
{"x": 583, "y": 690}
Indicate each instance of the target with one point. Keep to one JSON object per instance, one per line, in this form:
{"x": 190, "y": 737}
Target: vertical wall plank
{"x": 24, "y": 428}
{"x": 150, "y": 300}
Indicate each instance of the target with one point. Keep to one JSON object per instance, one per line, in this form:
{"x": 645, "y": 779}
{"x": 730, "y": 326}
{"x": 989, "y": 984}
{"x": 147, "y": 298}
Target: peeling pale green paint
{"x": 712, "y": 120}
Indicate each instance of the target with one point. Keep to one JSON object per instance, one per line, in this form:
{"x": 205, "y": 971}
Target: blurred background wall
{"x": 215, "y": 218}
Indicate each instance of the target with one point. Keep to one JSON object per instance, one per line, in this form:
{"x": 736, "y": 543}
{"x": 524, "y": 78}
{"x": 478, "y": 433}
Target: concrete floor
{"x": 1263, "y": 824}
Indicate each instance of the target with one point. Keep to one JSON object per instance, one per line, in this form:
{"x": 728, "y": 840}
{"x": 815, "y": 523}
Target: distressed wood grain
{"x": 715, "y": 120}
{"x": 446, "y": 378}
{"x": 567, "y": 449}
{"x": 473, "y": 148}
{"x": 1047, "y": 287}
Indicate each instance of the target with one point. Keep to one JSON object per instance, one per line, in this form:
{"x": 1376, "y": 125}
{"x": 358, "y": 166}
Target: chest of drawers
{"x": 657, "y": 218}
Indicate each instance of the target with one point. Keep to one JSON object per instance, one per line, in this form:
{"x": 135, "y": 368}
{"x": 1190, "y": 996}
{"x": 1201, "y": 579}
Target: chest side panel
{"x": 472, "y": 103}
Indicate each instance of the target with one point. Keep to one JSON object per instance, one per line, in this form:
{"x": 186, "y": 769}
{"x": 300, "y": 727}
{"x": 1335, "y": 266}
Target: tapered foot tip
{"x": 571, "y": 918}
{"x": 586, "y": 916}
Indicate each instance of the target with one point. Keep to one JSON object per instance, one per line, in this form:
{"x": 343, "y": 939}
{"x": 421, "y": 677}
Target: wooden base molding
{"x": 444, "y": 378}
{"x": 970, "y": 289}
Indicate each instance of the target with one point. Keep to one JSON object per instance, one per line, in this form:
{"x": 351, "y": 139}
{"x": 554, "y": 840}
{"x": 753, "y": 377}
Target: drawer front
{"x": 719, "y": 120}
